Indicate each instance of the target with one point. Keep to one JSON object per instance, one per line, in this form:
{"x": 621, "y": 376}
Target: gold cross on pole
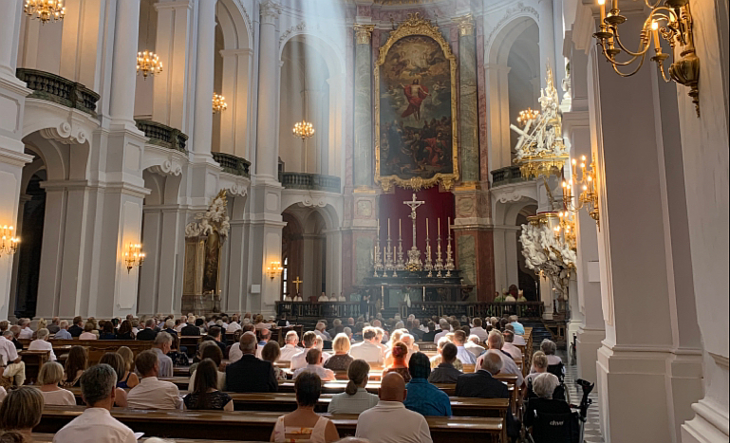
{"x": 297, "y": 282}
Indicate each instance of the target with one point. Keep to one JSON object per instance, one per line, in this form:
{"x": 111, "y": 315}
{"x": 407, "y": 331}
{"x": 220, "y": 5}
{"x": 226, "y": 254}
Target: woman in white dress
{"x": 304, "y": 424}
{"x": 41, "y": 343}
{"x": 49, "y": 377}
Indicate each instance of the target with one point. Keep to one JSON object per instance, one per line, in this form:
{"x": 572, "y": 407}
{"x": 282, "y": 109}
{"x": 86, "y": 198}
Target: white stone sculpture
{"x": 215, "y": 218}
{"x": 545, "y": 254}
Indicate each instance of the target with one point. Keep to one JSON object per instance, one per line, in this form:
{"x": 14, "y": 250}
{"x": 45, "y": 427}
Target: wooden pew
{"x": 97, "y": 348}
{"x": 33, "y": 361}
{"x": 48, "y": 438}
{"x": 191, "y": 342}
{"x": 259, "y": 425}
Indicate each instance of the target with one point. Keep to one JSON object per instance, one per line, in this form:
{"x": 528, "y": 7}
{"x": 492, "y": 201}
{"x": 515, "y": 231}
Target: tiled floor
{"x": 592, "y": 432}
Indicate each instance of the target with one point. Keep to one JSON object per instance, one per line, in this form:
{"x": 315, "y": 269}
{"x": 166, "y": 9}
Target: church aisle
{"x": 592, "y": 427}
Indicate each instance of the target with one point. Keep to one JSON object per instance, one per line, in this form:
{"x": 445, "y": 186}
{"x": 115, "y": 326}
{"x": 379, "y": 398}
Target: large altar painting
{"x": 415, "y": 83}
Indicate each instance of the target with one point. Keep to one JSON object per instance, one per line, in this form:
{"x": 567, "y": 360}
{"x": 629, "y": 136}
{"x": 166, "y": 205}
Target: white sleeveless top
{"x": 292, "y": 434}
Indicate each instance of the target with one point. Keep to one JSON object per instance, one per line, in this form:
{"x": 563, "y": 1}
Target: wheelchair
{"x": 562, "y": 428}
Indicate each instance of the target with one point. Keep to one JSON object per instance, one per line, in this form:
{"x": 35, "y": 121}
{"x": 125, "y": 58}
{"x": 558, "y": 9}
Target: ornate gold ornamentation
{"x": 466, "y": 24}
{"x": 416, "y": 25}
{"x": 364, "y": 33}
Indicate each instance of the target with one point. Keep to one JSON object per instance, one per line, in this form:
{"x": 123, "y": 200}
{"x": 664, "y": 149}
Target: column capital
{"x": 174, "y": 4}
{"x": 270, "y": 11}
{"x": 364, "y": 33}
{"x": 465, "y": 24}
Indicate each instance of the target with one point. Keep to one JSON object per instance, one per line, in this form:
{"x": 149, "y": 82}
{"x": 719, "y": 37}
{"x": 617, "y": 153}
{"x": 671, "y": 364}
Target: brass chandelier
{"x": 8, "y": 241}
{"x": 670, "y": 19}
{"x": 588, "y": 198}
{"x": 148, "y": 63}
{"x": 219, "y": 103}
{"x": 45, "y": 10}
{"x": 303, "y": 130}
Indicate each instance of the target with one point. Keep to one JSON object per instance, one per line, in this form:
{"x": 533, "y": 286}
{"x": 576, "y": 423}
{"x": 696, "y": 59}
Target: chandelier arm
{"x": 615, "y": 62}
{"x": 641, "y": 63}
{"x": 652, "y": 6}
{"x": 641, "y": 51}
{"x": 660, "y": 67}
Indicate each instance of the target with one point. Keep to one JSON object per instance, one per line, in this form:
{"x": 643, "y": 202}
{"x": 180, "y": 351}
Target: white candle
{"x": 400, "y": 229}
{"x": 426, "y": 228}
{"x": 439, "y": 227}
{"x": 389, "y": 228}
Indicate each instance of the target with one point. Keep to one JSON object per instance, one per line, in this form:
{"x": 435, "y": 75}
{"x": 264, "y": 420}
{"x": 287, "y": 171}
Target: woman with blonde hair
{"x": 130, "y": 379}
{"x": 356, "y": 398}
{"x": 50, "y": 375}
{"x": 342, "y": 359}
{"x": 76, "y": 363}
{"x": 21, "y": 411}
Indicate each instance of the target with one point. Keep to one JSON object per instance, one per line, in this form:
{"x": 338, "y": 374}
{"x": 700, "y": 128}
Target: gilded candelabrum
{"x": 449, "y": 255}
{"x": 389, "y": 266}
{"x": 400, "y": 264}
{"x": 588, "y": 197}
{"x": 439, "y": 266}
{"x": 428, "y": 266}
{"x": 378, "y": 266}
{"x": 668, "y": 19}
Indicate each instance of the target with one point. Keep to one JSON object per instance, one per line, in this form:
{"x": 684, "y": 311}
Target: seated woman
{"x": 436, "y": 360}
{"x": 125, "y": 331}
{"x": 271, "y": 354}
{"x": 21, "y": 411}
{"x": 355, "y": 399}
{"x": 342, "y": 359}
{"x": 41, "y": 343}
{"x": 107, "y": 331}
{"x": 50, "y": 375}
{"x": 555, "y": 366}
{"x": 129, "y": 379}
{"x": 399, "y": 354}
{"x": 178, "y": 358}
{"x": 211, "y": 352}
{"x": 75, "y": 366}
{"x": 206, "y": 394}
{"x": 117, "y": 363}
{"x": 544, "y": 385}
{"x": 539, "y": 366}
{"x": 88, "y": 333}
{"x": 304, "y": 424}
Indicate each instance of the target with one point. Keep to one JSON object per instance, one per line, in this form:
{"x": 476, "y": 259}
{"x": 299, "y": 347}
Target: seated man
{"x": 390, "y": 421}
{"x": 189, "y": 329}
{"x": 519, "y": 340}
{"x": 214, "y": 334}
{"x": 445, "y": 372}
{"x": 509, "y": 346}
{"x": 478, "y": 330}
{"x": 265, "y": 335}
{"x": 462, "y": 353}
{"x": 299, "y": 360}
{"x": 148, "y": 333}
{"x": 249, "y": 374}
{"x": 95, "y": 424}
{"x": 495, "y": 343}
{"x": 473, "y": 345}
{"x": 14, "y": 365}
{"x": 482, "y": 384}
{"x": 161, "y": 346}
{"x": 423, "y": 397}
{"x": 368, "y": 349}
{"x": 152, "y": 393}
{"x": 519, "y": 329}
{"x": 314, "y": 365}
{"x": 290, "y": 348}
{"x": 62, "y": 333}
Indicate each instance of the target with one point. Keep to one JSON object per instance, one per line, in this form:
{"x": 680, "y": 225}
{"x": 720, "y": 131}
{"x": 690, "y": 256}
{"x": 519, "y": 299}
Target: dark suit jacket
{"x": 480, "y": 384}
{"x": 190, "y": 330}
{"x": 249, "y": 374}
{"x": 146, "y": 334}
{"x": 171, "y": 332}
{"x": 221, "y": 345}
{"x": 75, "y": 330}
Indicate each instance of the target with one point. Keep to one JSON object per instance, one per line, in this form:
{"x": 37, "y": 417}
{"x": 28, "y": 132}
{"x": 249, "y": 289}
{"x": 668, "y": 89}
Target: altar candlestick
{"x": 439, "y": 227}
{"x": 388, "y": 227}
{"x": 426, "y": 228}
{"x": 400, "y": 229}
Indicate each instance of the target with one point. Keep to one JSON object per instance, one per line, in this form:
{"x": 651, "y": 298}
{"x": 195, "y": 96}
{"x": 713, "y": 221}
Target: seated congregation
{"x": 382, "y": 381}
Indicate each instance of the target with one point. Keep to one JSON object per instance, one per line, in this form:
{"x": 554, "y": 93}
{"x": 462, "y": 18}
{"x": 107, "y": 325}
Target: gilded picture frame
{"x": 416, "y": 26}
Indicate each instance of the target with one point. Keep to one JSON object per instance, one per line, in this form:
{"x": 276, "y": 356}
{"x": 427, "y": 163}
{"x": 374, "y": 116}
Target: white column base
{"x": 589, "y": 342}
{"x": 710, "y": 424}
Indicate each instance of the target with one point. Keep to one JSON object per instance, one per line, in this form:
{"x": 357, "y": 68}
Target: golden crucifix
{"x": 297, "y": 282}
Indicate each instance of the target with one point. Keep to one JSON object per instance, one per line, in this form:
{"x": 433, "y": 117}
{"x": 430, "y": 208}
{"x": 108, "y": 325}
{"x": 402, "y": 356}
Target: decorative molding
{"x": 294, "y": 29}
{"x": 168, "y": 167}
{"x": 509, "y": 15}
{"x": 364, "y": 33}
{"x": 311, "y": 201}
{"x": 465, "y": 24}
{"x": 269, "y": 10}
{"x": 238, "y": 189}
{"x": 65, "y": 133}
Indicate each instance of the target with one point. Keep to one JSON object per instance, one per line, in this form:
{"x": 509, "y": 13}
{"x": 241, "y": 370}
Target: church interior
{"x": 386, "y": 161}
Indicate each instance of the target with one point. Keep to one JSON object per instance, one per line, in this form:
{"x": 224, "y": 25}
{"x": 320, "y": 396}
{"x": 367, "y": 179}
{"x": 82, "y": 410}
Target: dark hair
{"x": 199, "y": 322}
{"x": 459, "y": 336}
{"x": 357, "y": 372}
{"x": 124, "y": 327}
{"x": 12, "y": 437}
{"x": 419, "y": 366}
{"x": 448, "y": 353}
{"x": 21, "y": 409}
{"x": 308, "y": 387}
{"x": 75, "y": 362}
{"x": 271, "y": 352}
{"x": 145, "y": 361}
{"x": 212, "y": 353}
{"x": 309, "y": 339}
{"x": 313, "y": 356}
{"x": 206, "y": 377}
{"x": 117, "y": 363}
{"x": 214, "y": 331}
{"x": 108, "y": 327}
{"x": 431, "y": 326}
{"x": 477, "y": 322}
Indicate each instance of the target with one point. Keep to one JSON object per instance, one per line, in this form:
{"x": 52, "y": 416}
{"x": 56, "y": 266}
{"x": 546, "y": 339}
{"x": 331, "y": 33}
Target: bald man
{"x": 249, "y": 374}
{"x": 390, "y": 421}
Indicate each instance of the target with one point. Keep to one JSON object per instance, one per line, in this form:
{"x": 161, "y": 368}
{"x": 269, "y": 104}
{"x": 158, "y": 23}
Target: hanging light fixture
{"x": 133, "y": 256}
{"x": 45, "y": 10}
{"x": 303, "y": 130}
{"x": 8, "y": 241}
{"x": 219, "y": 103}
{"x": 670, "y": 19}
{"x": 588, "y": 197}
{"x": 527, "y": 115}
{"x": 148, "y": 63}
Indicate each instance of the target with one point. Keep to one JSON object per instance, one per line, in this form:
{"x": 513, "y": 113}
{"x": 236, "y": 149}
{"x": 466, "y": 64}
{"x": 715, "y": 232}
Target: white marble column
{"x": 173, "y": 45}
{"x": 203, "y": 127}
{"x": 237, "y": 71}
{"x": 12, "y": 158}
{"x": 363, "y": 108}
{"x": 82, "y": 41}
{"x": 547, "y": 41}
{"x": 267, "y": 155}
{"x": 124, "y": 63}
{"x": 650, "y": 365}
{"x": 498, "y": 120}
{"x": 333, "y": 261}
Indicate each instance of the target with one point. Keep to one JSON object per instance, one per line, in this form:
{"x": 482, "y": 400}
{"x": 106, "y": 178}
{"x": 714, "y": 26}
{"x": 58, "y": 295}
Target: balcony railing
{"x": 52, "y": 87}
{"x": 162, "y": 135}
{"x": 232, "y": 164}
{"x": 311, "y": 182}
{"x": 508, "y": 175}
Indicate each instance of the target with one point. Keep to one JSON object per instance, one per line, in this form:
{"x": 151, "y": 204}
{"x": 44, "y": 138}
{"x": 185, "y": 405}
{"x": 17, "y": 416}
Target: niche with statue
{"x": 204, "y": 239}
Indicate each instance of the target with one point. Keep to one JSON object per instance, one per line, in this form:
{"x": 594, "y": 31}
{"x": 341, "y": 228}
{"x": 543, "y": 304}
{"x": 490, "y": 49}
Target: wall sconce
{"x": 274, "y": 270}
{"x": 677, "y": 30}
{"x": 8, "y": 241}
{"x": 588, "y": 197}
{"x": 133, "y": 257}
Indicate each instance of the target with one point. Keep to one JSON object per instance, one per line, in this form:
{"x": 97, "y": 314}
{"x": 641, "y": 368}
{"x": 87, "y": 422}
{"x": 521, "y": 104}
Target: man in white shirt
{"x": 235, "y": 353}
{"x": 14, "y": 365}
{"x": 314, "y": 365}
{"x": 478, "y": 330}
{"x": 300, "y": 359}
{"x": 152, "y": 393}
{"x": 445, "y": 328}
{"x": 472, "y": 345}
{"x": 161, "y": 346}
{"x": 233, "y": 326}
{"x": 290, "y": 348}
{"x": 495, "y": 342}
{"x": 368, "y": 349}
{"x": 390, "y": 421}
{"x": 462, "y": 353}
{"x": 26, "y": 333}
{"x": 509, "y": 346}
{"x": 320, "y": 330}
{"x": 95, "y": 424}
